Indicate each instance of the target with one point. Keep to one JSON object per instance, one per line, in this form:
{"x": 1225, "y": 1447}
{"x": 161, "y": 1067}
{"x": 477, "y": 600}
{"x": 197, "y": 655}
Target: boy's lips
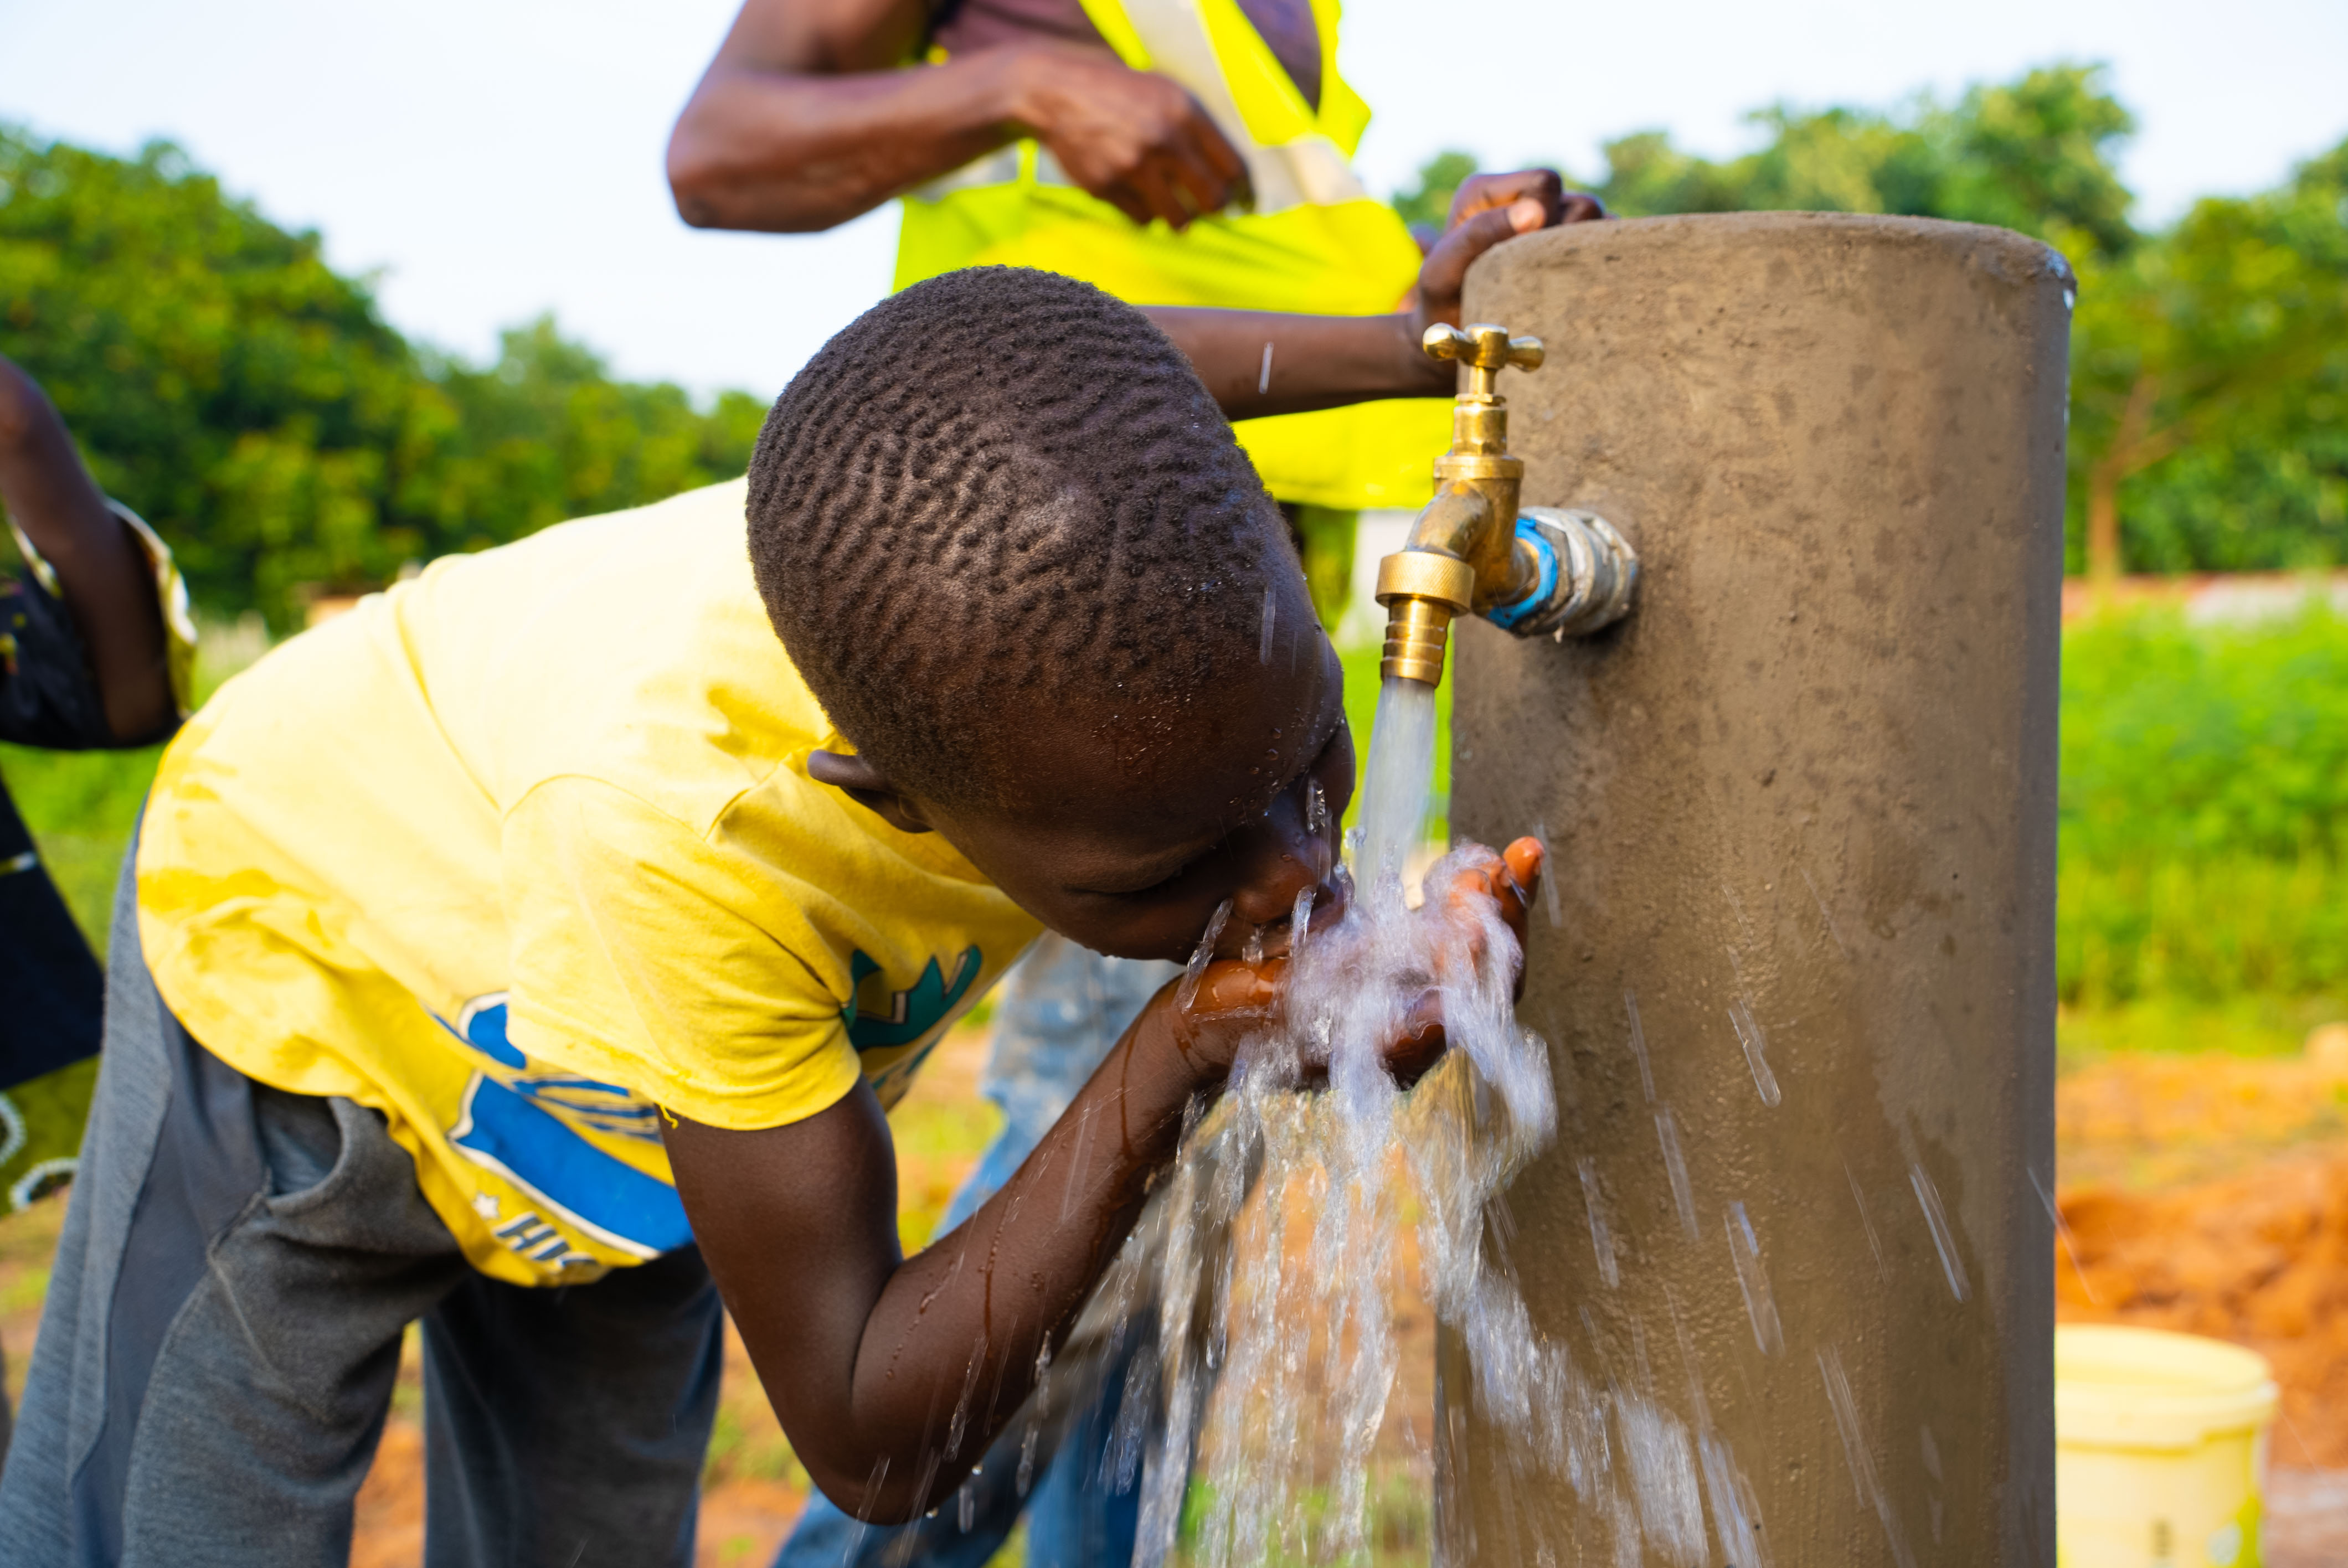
{"x": 1329, "y": 902}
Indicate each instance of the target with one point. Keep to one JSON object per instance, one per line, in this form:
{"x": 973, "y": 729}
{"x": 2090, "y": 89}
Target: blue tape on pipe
{"x": 1507, "y": 616}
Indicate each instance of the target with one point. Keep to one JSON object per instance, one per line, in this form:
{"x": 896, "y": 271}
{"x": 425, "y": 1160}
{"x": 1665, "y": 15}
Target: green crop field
{"x": 2203, "y": 891}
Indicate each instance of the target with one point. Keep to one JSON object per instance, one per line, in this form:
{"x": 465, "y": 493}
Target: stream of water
{"x": 1267, "y": 1266}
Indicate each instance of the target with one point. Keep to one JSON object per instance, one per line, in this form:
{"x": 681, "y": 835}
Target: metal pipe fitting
{"x": 1542, "y": 572}
{"x": 1585, "y": 573}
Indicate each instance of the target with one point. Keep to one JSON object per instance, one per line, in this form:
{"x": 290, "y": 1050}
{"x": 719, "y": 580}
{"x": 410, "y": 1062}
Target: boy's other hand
{"x": 1488, "y": 209}
{"x": 1509, "y": 882}
{"x": 1234, "y": 997}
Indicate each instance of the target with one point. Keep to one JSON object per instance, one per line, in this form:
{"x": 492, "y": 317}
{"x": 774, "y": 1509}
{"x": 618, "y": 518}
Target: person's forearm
{"x": 891, "y": 1381}
{"x": 103, "y": 575}
{"x": 1258, "y": 363}
{"x": 789, "y": 153}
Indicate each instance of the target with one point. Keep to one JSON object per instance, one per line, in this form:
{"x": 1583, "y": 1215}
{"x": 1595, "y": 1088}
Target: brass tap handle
{"x": 1485, "y": 349}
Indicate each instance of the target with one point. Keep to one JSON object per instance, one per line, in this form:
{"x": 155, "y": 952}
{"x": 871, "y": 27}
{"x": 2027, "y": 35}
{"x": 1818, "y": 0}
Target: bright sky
{"x": 489, "y": 159}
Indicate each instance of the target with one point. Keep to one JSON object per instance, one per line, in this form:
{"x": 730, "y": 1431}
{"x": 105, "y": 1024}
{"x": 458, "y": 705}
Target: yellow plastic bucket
{"x": 2161, "y": 1450}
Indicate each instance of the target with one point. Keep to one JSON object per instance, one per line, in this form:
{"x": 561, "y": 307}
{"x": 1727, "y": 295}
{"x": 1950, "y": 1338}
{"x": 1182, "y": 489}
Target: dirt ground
{"x": 2207, "y": 1193}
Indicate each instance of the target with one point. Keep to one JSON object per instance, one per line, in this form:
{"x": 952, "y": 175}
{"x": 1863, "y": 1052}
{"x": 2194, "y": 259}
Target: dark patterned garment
{"x": 1287, "y": 27}
{"x": 48, "y": 698}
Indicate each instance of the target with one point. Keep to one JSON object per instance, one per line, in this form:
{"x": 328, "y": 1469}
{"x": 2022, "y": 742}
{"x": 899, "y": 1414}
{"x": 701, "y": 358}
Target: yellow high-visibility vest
{"x": 1316, "y": 241}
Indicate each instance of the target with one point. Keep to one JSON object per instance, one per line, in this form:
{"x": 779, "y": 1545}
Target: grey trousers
{"x": 222, "y": 1329}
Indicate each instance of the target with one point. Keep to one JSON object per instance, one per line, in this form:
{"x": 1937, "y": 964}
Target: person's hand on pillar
{"x": 1487, "y": 210}
{"x": 1257, "y": 362}
{"x": 810, "y": 116}
{"x": 104, "y": 578}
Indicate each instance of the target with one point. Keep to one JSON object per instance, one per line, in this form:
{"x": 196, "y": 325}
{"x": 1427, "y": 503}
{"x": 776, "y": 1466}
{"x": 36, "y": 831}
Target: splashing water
{"x": 1756, "y": 1047}
{"x": 1395, "y": 783}
{"x": 1854, "y": 1450}
{"x": 1760, "y": 1305}
{"x": 1667, "y": 1134}
{"x": 1602, "y": 1239}
{"x": 1936, "y": 1220}
{"x": 1261, "y": 1271}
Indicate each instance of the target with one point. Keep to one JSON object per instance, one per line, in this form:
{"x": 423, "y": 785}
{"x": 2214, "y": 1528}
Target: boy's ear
{"x": 868, "y": 787}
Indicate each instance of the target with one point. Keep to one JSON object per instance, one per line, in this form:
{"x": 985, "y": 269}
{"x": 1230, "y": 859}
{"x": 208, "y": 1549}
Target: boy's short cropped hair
{"x": 997, "y": 490}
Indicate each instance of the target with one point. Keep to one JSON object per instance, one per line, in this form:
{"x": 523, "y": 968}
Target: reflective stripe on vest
{"x": 1313, "y": 241}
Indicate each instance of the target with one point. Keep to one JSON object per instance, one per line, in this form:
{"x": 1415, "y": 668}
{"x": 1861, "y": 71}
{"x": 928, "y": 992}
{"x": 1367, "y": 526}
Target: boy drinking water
{"x": 544, "y": 940}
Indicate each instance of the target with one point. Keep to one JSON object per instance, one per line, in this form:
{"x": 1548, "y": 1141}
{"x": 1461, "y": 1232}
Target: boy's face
{"x": 1127, "y": 829}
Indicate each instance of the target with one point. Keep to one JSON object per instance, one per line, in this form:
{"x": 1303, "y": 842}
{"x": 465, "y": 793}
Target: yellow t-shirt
{"x": 524, "y": 850}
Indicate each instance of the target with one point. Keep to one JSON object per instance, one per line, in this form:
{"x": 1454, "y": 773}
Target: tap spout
{"x": 1462, "y": 555}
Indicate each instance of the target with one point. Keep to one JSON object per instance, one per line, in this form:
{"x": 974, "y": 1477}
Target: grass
{"x": 2204, "y": 802}
{"x": 2248, "y": 1026}
{"x": 2204, "y": 809}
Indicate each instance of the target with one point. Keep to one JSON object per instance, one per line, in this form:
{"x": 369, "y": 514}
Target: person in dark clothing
{"x": 95, "y": 648}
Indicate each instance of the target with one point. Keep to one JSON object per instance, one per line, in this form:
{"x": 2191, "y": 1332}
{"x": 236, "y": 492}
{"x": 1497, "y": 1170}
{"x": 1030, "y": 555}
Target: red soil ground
{"x": 2207, "y": 1194}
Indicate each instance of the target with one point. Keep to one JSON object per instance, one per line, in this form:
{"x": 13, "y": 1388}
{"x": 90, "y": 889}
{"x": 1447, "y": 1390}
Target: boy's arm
{"x": 103, "y": 576}
{"x": 1259, "y": 362}
{"x": 892, "y": 1375}
{"x": 809, "y": 115}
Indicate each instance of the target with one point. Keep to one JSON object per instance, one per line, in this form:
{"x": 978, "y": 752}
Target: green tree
{"x": 2209, "y": 370}
{"x": 2035, "y": 155}
{"x": 254, "y": 405}
{"x": 2210, "y": 361}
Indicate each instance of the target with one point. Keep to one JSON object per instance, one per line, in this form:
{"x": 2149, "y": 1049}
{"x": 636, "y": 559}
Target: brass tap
{"x": 1463, "y": 555}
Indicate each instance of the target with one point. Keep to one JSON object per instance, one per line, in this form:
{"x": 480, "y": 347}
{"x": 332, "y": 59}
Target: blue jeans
{"x": 1060, "y": 1010}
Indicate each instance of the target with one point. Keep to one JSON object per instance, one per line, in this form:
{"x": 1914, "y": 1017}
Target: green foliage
{"x": 2204, "y": 808}
{"x": 2034, "y": 155}
{"x": 2209, "y": 381}
{"x": 253, "y": 405}
{"x": 2209, "y": 361}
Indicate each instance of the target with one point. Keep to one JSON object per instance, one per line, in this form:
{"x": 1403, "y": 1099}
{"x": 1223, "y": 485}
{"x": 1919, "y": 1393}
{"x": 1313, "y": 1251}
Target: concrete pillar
{"x": 1802, "y": 806}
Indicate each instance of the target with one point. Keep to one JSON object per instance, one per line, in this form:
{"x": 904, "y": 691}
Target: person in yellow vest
{"x": 1171, "y": 152}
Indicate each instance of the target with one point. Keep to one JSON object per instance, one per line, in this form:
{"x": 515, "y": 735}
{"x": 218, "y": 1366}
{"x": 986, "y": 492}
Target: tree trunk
{"x": 2104, "y": 522}
{"x": 2130, "y": 450}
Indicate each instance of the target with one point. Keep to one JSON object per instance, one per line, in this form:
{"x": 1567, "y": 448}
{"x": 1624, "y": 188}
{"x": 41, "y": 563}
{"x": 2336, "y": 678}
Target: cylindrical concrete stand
{"x": 1802, "y": 811}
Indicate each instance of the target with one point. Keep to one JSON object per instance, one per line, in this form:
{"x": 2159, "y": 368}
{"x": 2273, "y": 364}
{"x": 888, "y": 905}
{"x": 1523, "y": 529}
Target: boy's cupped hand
{"x": 1234, "y": 997}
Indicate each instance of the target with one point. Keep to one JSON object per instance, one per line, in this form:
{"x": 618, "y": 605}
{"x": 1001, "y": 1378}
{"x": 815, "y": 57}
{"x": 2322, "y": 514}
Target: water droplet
{"x": 1854, "y": 1450}
{"x": 1944, "y": 1242}
{"x": 1866, "y": 1222}
{"x": 2062, "y": 1233}
{"x": 1756, "y": 1044}
{"x": 1270, "y": 616}
{"x": 1664, "y": 1478}
{"x": 1824, "y": 913}
{"x": 1667, "y": 1133}
{"x": 1601, "y": 1240}
{"x": 1752, "y": 1279}
{"x": 1639, "y": 1046}
{"x": 1549, "y": 876}
{"x": 1201, "y": 955}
